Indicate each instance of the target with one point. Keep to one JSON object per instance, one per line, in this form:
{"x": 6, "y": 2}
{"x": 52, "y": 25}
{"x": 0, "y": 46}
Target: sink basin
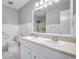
{"x": 30, "y": 37}
{"x": 46, "y": 41}
{"x": 53, "y": 43}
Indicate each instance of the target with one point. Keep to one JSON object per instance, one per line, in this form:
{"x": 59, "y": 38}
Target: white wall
{"x": 11, "y": 30}
{"x": 25, "y": 28}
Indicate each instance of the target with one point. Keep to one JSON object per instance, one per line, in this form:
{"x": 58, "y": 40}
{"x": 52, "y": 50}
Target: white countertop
{"x": 66, "y": 47}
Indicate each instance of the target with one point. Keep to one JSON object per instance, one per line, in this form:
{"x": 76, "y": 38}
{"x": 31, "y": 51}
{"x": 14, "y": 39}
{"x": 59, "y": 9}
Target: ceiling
{"x": 17, "y": 4}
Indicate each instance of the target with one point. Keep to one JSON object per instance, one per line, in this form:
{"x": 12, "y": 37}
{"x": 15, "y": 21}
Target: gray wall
{"x": 9, "y": 16}
{"x": 53, "y": 14}
{"x": 74, "y": 6}
{"x": 25, "y": 13}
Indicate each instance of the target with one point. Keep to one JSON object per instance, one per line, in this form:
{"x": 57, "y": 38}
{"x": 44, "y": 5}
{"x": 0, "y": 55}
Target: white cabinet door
{"x": 38, "y": 56}
{"x": 51, "y": 54}
{"x": 25, "y": 53}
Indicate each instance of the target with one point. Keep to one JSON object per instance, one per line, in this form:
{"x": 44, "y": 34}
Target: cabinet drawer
{"x": 25, "y": 53}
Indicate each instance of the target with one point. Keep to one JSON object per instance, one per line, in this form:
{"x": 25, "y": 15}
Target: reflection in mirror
{"x": 53, "y": 19}
{"x": 40, "y": 23}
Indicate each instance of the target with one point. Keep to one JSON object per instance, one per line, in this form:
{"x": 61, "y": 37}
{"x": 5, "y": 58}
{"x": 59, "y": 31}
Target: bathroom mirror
{"x": 55, "y": 19}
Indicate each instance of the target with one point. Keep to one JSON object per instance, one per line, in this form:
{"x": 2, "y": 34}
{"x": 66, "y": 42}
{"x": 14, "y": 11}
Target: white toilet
{"x": 10, "y": 50}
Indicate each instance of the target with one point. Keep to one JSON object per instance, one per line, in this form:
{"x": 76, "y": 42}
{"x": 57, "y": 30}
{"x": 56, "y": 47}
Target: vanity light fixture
{"x": 41, "y": 2}
{"x": 37, "y": 4}
{"x": 44, "y": 3}
{"x": 56, "y": 1}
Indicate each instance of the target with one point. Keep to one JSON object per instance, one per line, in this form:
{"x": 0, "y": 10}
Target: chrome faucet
{"x": 55, "y": 38}
{"x": 34, "y": 35}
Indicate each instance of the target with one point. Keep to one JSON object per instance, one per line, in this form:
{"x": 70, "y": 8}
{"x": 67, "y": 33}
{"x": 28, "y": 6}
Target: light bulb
{"x": 50, "y": 3}
{"x": 46, "y": 1}
{"x": 37, "y": 4}
{"x": 41, "y": 2}
{"x": 45, "y": 5}
{"x": 56, "y": 1}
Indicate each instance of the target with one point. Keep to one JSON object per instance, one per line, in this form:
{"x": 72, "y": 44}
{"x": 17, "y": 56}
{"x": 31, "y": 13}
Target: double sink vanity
{"x": 32, "y": 47}
{"x": 58, "y": 18}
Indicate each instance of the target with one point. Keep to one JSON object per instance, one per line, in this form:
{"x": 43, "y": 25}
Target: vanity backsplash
{"x": 63, "y": 38}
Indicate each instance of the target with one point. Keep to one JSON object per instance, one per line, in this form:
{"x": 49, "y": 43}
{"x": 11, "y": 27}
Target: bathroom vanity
{"x": 56, "y": 19}
{"x": 38, "y": 48}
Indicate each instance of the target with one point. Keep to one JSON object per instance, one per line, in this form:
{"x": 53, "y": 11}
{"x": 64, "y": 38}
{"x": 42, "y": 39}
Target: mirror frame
{"x": 71, "y": 19}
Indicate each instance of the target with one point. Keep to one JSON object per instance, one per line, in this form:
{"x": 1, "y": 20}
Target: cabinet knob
{"x": 34, "y": 57}
{"x": 29, "y": 53}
